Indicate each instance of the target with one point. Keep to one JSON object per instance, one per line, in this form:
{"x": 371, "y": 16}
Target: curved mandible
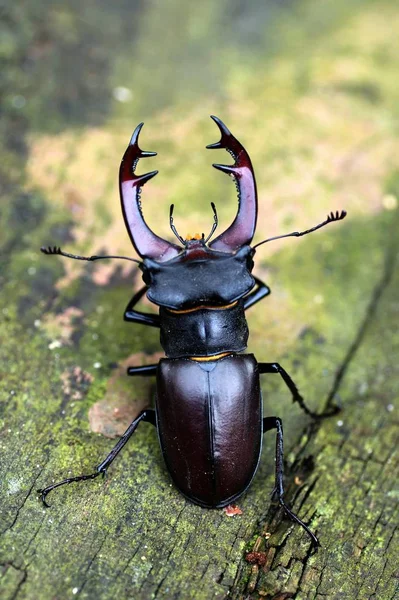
{"x": 145, "y": 241}
{"x": 241, "y": 231}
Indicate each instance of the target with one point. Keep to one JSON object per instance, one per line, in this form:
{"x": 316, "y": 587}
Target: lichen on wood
{"x": 316, "y": 107}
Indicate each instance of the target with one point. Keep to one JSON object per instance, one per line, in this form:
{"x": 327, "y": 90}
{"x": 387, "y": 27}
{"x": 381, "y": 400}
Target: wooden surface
{"x": 321, "y": 130}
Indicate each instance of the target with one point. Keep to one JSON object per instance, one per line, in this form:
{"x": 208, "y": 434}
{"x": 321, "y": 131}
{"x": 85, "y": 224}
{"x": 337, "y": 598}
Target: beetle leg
{"x": 144, "y": 370}
{"x": 296, "y": 396}
{"x": 145, "y": 415}
{"x": 135, "y": 316}
{"x": 276, "y": 423}
{"x": 261, "y": 291}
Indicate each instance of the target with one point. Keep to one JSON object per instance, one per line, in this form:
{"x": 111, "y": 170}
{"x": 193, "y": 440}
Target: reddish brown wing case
{"x": 210, "y": 426}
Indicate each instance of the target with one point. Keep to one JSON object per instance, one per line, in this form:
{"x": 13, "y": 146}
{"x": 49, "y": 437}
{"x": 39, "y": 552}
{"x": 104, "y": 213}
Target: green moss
{"x": 315, "y": 96}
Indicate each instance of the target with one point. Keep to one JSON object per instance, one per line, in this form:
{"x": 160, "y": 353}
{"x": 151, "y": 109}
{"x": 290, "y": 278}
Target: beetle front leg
{"x": 276, "y": 423}
{"x": 260, "y": 292}
{"x": 144, "y": 370}
{"x": 147, "y": 415}
{"x": 135, "y": 316}
{"x": 296, "y": 396}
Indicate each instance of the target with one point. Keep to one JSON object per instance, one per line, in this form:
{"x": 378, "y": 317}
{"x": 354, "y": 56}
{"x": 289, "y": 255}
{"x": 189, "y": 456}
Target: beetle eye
{"x": 147, "y": 276}
{"x": 250, "y": 263}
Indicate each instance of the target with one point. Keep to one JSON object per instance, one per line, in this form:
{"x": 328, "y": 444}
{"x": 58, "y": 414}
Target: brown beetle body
{"x": 210, "y": 433}
{"x": 208, "y": 403}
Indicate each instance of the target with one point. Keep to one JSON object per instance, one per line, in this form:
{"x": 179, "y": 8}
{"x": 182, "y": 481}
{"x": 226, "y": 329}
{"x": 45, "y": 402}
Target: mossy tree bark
{"x": 331, "y": 320}
{"x": 135, "y": 536}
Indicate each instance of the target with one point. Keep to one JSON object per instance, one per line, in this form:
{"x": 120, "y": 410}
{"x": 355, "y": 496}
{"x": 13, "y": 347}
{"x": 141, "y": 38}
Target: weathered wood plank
{"x": 321, "y": 132}
{"x": 352, "y": 492}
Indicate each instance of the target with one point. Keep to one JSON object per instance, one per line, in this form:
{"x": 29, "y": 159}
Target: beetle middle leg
{"x": 147, "y": 415}
{"x": 258, "y": 293}
{"x": 296, "y": 396}
{"x": 136, "y": 316}
{"x": 276, "y": 423}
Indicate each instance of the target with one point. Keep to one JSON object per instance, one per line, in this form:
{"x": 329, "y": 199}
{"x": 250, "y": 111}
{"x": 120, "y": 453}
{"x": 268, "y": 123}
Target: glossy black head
{"x": 197, "y": 272}
{"x": 199, "y": 276}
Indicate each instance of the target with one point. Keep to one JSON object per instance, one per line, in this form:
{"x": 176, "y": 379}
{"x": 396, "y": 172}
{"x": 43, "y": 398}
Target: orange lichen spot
{"x": 232, "y": 509}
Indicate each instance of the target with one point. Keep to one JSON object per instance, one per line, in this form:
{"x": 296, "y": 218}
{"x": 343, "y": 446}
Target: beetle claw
{"x": 241, "y": 231}
{"x": 215, "y": 146}
{"x": 43, "y": 497}
{"x": 135, "y": 135}
{"x": 140, "y": 180}
{"x": 134, "y": 153}
{"x": 225, "y": 133}
{"x": 134, "y": 142}
{"x": 230, "y": 170}
{"x": 146, "y": 242}
{"x": 227, "y": 142}
{"x": 226, "y": 136}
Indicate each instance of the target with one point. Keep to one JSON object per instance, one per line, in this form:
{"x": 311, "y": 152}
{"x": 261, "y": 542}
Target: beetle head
{"x": 195, "y": 272}
{"x": 199, "y": 276}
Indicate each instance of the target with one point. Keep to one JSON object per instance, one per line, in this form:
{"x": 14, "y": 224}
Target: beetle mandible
{"x": 208, "y": 407}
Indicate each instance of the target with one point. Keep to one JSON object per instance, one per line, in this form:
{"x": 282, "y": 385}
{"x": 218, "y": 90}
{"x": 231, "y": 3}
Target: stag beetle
{"x": 208, "y": 407}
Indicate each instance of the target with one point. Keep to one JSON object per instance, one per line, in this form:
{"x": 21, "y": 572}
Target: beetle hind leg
{"x": 276, "y": 423}
{"x": 147, "y": 415}
{"x": 143, "y": 370}
{"x": 296, "y": 396}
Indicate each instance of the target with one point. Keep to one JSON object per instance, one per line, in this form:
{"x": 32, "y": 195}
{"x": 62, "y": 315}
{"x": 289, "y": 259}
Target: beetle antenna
{"x": 57, "y": 250}
{"x": 215, "y": 222}
{"x": 173, "y": 228}
{"x": 338, "y": 216}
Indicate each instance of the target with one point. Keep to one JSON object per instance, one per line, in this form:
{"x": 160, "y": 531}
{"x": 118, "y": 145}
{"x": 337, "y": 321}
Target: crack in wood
{"x": 23, "y": 570}
{"x": 9, "y": 527}
{"x": 378, "y": 291}
{"x": 90, "y": 564}
{"x": 376, "y": 296}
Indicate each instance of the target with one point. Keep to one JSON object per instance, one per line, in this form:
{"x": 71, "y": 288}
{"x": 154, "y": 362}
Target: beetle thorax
{"x": 199, "y": 276}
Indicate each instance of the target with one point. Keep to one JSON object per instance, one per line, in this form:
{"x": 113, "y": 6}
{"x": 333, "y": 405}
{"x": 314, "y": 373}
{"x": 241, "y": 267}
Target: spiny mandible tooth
{"x": 223, "y": 129}
{"x": 140, "y": 180}
{"x": 135, "y": 135}
{"x": 216, "y": 145}
{"x": 227, "y": 169}
{"x": 134, "y": 141}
